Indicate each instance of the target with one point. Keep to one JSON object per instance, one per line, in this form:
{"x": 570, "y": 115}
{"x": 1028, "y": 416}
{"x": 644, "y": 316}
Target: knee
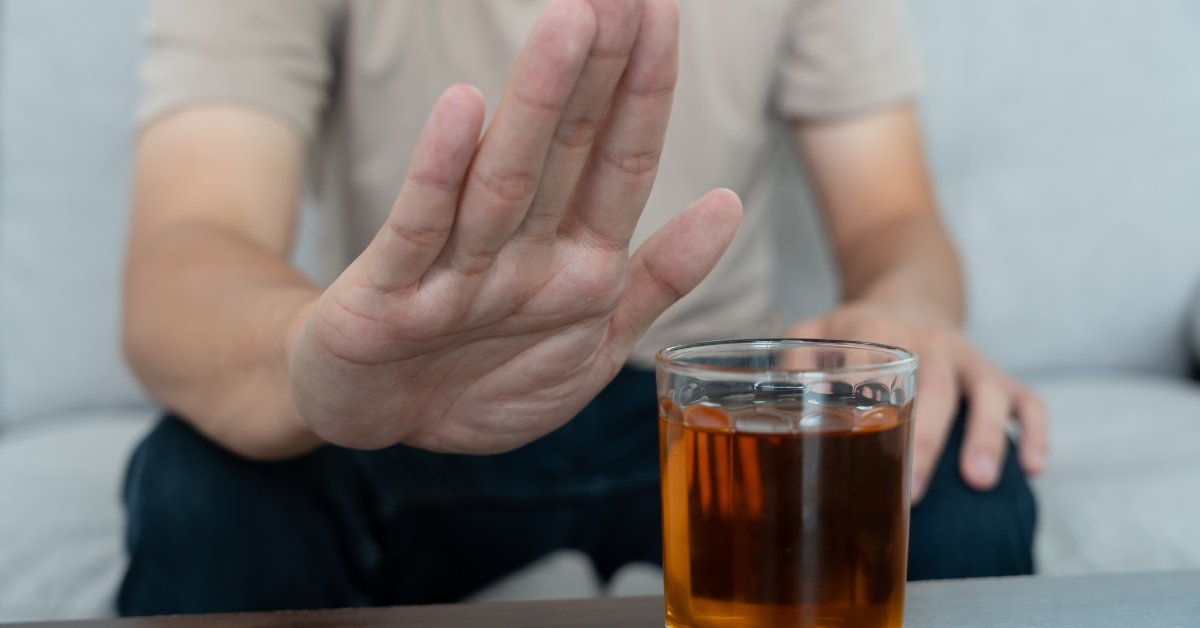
{"x": 182, "y": 486}
{"x": 210, "y": 532}
{"x": 175, "y": 522}
{"x": 165, "y": 490}
{"x": 958, "y": 532}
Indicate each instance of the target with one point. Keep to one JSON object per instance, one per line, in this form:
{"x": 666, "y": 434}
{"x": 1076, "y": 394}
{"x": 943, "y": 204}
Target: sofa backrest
{"x": 1064, "y": 137}
{"x": 67, "y": 87}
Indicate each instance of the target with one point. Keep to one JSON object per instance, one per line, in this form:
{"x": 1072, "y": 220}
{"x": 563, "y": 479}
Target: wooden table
{"x": 1160, "y": 600}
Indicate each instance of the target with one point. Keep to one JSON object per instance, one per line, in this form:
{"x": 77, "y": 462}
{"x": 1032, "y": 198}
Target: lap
{"x": 591, "y": 485}
{"x": 208, "y": 531}
{"x": 341, "y": 527}
{"x": 958, "y": 532}
{"x": 393, "y": 526}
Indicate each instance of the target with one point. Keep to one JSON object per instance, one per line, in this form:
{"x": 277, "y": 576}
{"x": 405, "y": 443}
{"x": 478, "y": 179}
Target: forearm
{"x": 208, "y": 320}
{"x": 908, "y": 265}
{"x": 879, "y": 207}
{"x": 903, "y": 286}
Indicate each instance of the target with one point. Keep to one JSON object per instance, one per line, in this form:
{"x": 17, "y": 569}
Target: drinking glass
{"x": 785, "y": 479}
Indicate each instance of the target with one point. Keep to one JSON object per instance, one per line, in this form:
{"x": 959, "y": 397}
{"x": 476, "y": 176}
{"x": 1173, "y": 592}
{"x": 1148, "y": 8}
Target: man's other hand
{"x": 950, "y": 369}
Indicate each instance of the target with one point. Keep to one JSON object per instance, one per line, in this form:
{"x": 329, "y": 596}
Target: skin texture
{"x": 496, "y": 301}
{"x": 902, "y": 286}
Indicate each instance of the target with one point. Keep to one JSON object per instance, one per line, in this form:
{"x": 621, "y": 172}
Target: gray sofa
{"x": 1065, "y": 137}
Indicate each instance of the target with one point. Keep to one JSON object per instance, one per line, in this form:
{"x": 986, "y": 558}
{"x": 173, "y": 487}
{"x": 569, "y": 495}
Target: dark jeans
{"x": 209, "y": 531}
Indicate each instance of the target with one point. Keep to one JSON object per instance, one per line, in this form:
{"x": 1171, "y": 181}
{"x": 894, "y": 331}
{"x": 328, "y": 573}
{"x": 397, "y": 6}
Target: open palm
{"x": 500, "y": 296}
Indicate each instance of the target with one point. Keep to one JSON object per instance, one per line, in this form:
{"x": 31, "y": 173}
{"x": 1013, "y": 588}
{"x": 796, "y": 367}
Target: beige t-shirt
{"x": 358, "y": 77}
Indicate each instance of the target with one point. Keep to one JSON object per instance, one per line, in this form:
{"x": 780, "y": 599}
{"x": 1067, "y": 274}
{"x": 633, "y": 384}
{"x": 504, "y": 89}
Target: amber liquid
{"x": 771, "y": 519}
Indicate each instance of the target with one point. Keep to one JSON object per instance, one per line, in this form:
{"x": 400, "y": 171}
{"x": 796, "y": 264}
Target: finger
{"x": 989, "y": 407}
{"x": 617, "y": 28}
{"x": 1031, "y": 415}
{"x": 423, "y": 215}
{"x": 507, "y": 168}
{"x": 617, "y": 179}
{"x": 672, "y": 262}
{"x": 936, "y": 401}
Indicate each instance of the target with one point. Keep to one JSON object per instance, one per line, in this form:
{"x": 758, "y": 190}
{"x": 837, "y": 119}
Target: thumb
{"x": 673, "y": 261}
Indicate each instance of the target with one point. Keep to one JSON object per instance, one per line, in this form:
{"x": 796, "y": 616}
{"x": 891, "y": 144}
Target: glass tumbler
{"x": 785, "y": 479}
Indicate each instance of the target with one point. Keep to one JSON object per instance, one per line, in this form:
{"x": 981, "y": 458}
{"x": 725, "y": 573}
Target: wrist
{"x": 295, "y": 430}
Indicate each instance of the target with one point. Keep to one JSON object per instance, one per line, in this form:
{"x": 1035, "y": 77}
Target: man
{"x": 497, "y": 299}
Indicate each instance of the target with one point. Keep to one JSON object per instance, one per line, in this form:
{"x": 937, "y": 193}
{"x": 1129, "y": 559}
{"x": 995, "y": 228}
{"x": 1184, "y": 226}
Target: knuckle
{"x": 508, "y": 185}
{"x": 433, "y": 180}
{"x": 540, "y": 228}
{"x": 604, "y": 243}
{"x": 539, "y": 104}
{"x": 986, "y": 389}
{"x": 879, "y": 330}
{"x": 468, "y": 262}
{"x": 936, "y": 336}
{"x": 577, "y": 132}
{"x": 635, "y": 162}
{"x": 663, "y": 87}
{"x": 938, "y": 381}
{"x": 665, "y": 286}
{"x": 417, "y": 235}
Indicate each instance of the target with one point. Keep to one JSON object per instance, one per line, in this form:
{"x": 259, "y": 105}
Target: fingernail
{"x": 984, "y": 468}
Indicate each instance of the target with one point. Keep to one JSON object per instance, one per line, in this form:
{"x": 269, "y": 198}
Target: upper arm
{"x": 845, "y": 77}
{"x": 868, "y": 171}
{"x": 219, "y": 166}
{"x": 232, "y": 92}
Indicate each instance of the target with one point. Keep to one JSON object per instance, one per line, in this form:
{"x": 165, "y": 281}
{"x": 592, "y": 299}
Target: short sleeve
{"x": 845, "y": 56}
{"x": 273, "y": 55}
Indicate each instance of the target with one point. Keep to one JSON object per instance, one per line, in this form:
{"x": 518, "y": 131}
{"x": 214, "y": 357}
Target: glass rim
{"x": 903, "y": 359}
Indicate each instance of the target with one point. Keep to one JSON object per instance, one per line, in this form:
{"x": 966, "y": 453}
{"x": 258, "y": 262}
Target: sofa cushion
{"x": 61, "y": 534}
{"x": 1125, "y": 460}
{"x": 1120, "y": 484}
